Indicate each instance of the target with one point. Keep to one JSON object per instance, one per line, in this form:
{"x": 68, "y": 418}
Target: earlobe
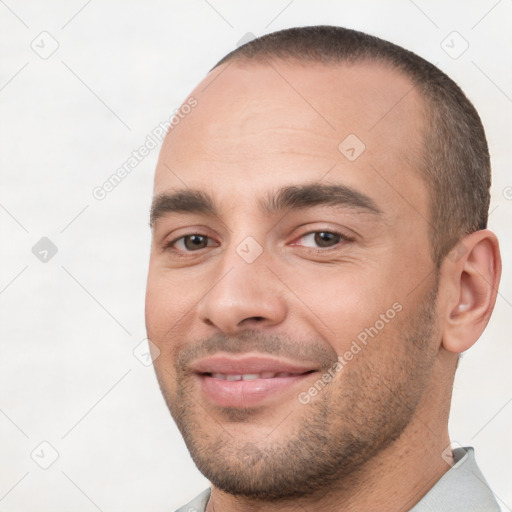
{"x": 474, "y": 278}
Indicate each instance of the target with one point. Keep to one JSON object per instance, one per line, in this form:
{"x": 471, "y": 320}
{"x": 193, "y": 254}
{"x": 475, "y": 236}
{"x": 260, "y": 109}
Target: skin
{"x": 259, "y": 127}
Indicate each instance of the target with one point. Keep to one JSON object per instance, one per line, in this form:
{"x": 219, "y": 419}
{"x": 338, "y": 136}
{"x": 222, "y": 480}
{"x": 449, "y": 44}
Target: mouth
{"x": 249, "y": 380}
{"x": 233, "y": 377}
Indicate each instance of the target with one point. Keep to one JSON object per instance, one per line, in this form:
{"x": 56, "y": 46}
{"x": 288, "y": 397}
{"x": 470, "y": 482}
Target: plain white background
{"x": 69, "y": 326}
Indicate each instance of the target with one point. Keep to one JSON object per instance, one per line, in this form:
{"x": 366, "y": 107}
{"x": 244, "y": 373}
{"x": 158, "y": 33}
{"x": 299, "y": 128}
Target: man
{"x": 320, "y": 259}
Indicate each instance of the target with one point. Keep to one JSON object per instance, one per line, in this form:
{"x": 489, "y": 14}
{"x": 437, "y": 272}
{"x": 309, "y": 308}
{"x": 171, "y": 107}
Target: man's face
{"x": 291, "y": 290}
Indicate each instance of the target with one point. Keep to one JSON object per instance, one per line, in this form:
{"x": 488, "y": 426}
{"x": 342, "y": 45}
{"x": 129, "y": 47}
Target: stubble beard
{"x": 331, "y": 438}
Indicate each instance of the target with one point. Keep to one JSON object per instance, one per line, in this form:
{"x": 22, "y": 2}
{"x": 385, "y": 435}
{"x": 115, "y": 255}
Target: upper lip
{"x": 245, "y": 364}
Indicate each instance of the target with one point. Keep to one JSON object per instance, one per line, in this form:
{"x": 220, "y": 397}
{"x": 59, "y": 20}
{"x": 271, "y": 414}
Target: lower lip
{"x": 246, "y": 393}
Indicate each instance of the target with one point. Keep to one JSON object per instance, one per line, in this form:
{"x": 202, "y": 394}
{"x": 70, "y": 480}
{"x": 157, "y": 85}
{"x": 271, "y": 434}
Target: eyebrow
{"x": 182, "y": 201}
{"x": 294, "y": 197}
{"x": 297, "y": 197}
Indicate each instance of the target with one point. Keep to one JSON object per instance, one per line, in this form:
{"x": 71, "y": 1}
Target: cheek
{"x": 167, "y": 298}
{"x": 155, "y": 297}
{"x": 169, "y": 310}
{"x": 163, "y": 309}
{"x": 159, "y": 326}
{"x": 339, "y": 304}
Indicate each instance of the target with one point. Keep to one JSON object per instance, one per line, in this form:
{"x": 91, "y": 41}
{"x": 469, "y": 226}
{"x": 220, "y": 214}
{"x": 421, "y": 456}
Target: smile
{"x": 251, "y": 376}
{"x": 248, "y": 380}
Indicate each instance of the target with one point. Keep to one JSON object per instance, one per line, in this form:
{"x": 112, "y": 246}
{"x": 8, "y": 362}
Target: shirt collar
{"x": 462, "y": 488}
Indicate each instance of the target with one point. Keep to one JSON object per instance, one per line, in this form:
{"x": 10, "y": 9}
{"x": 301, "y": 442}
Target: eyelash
{"x": 170, "y": 246}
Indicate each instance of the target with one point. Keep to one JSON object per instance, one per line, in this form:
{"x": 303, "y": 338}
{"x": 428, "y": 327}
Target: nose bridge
{"x": 244, "y": 292}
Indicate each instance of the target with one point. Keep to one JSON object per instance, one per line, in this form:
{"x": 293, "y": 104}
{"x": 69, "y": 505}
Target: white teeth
{"x": 249, "y": 376}
{"x": 233, "y": 377}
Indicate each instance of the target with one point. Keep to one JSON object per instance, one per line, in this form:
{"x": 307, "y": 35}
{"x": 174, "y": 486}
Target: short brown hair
{"x": 455, "y": 163}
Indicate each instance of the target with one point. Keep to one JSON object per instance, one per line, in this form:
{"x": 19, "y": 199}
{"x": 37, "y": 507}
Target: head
{"x": 319, "y": 226}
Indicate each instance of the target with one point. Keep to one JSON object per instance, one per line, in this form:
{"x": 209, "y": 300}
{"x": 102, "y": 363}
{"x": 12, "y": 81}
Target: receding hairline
{"x": 358, "y": 47}
{"x": 415, "y": 154}
{"x": 306, "y": 61}
{"x": 310, "y": 62}
{"x": 366, "y": 62}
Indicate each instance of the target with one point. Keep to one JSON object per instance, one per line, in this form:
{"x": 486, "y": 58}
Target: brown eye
{"x": 326, "y": 239}
{"x": 322, "y": 239}
{"x": 194, "y": 242}
{"x": 185, "y": 245}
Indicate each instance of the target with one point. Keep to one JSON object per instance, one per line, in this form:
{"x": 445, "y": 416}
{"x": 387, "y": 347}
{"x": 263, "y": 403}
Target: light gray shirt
{"x": 461, "y": 489}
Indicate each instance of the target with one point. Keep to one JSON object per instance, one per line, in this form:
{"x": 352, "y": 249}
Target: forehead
{"x": 258, "y": 125}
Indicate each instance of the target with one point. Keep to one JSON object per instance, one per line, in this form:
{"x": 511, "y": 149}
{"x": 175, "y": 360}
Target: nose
{"x": 246, "y": 295}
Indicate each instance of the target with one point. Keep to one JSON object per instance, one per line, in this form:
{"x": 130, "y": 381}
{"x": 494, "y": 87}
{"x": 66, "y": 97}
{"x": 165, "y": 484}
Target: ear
{"x": 471, "y": 272}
